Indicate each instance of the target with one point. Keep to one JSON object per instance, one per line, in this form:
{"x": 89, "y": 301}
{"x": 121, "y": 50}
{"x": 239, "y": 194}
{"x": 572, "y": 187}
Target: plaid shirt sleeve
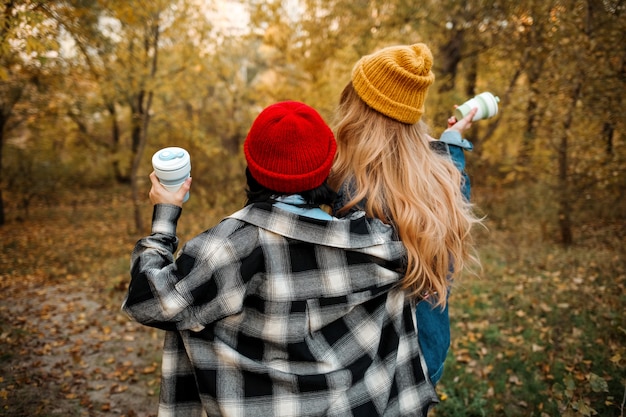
{"x": 168, "y": 292}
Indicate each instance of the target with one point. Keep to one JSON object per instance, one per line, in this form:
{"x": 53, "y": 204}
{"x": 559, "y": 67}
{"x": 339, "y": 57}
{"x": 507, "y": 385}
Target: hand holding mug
{"x": 161, "y": 195}
{"x": 463, "y": 124}
{"x": 172, "y": 166}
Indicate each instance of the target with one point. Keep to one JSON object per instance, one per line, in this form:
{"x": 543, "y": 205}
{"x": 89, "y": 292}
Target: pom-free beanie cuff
{"x": 290, "y": 148}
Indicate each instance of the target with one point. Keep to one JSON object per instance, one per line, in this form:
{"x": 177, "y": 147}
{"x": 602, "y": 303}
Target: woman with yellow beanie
{"x": 389, "y": 166}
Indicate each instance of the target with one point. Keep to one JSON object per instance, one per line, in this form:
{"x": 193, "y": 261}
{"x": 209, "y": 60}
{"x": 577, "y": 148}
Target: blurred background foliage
{"x": 90, "y": 89}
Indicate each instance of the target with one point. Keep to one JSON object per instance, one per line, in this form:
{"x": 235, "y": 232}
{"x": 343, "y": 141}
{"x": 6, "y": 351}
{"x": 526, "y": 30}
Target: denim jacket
{"x": 433, "y": 323}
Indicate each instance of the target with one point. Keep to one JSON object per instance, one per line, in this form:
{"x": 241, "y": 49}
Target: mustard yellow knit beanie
{"x": 395, "y": 80}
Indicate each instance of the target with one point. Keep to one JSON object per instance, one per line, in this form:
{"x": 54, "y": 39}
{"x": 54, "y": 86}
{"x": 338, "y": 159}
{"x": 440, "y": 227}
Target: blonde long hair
{"x": 389, "y": 167}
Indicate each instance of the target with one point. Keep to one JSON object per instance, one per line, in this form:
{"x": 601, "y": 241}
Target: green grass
{"x": 540, "y": 332}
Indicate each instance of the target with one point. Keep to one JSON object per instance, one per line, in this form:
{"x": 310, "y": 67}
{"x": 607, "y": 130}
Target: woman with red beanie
{"x": 280, "y": 309}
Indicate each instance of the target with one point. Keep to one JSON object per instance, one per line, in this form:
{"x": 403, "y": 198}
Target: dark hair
{"x": 257, "y": 193}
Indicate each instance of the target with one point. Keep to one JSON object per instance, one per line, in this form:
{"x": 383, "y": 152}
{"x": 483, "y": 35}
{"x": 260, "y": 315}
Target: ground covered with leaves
{"x": 542, "y": 330}
{"x": 539, "y": 332}
{"x": 67, "y": 349}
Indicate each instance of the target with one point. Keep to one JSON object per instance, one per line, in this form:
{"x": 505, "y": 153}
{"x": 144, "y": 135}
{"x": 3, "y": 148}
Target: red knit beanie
{"x": 289, "y": 148}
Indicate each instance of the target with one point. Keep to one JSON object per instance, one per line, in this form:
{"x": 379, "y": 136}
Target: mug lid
{"x": 172, "y": 158}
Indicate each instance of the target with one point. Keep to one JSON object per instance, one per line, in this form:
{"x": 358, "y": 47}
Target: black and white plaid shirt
{"x": 274, "y": 314}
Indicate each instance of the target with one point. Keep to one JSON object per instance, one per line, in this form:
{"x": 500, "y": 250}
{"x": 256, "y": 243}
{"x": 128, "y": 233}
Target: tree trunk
{"x": 2, "y": 123}
{"x": 528, "y": 137}
{"x": 8, "y": 8}
{"x": 608, "y": 130}
{"x": 115, "y": 138}
{"x": 141, "y": 145}
{"x": 450, "y": 57}
{"x": 471, "y": 75}
{"x": 532, "y": 64}
{"x": 11, "y": 95}
{"x": 152, "y": 42}
{"x": 565, "y": 189}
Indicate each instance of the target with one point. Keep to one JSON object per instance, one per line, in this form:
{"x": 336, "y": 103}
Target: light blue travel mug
{"x": 172, "y": 166}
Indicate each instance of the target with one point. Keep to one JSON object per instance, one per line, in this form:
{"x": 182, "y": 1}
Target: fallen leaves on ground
{"x": 67, "y": 348}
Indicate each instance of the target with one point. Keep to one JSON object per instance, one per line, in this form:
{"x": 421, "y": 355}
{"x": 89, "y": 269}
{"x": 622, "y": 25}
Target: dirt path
{"x": 67, "y": 353}
{"x": 66, "y": 348}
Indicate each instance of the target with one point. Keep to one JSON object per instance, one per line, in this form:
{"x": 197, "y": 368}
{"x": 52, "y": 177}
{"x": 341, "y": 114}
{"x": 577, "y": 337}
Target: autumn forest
{"x": 90, "y": 89}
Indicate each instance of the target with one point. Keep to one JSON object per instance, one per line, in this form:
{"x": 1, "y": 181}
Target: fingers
{"x": 160, "y": 195}
{"x": 466, "y": 122}
{"x": 463, "y": 124}
{"x": 154, "y": 179}
{"x": 183, "y": 190}
{"x": 469, "y": 116}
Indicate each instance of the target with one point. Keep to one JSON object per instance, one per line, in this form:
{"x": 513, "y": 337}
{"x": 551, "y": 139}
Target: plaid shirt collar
{"x": 350, "y": 232}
